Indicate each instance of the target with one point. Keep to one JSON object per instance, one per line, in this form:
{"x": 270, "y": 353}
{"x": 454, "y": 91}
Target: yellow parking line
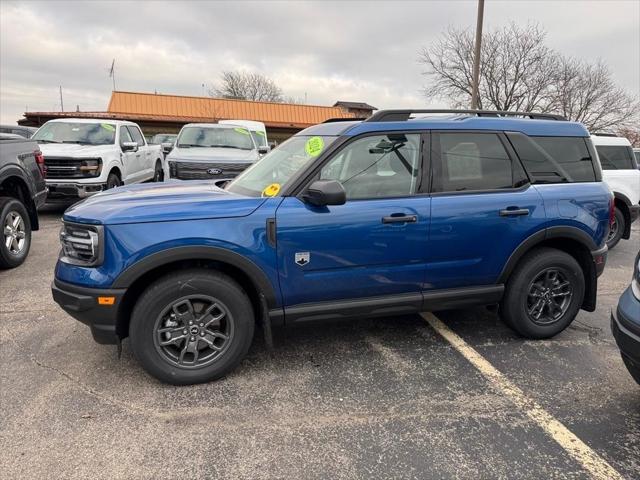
{"x": 580, "y": 451}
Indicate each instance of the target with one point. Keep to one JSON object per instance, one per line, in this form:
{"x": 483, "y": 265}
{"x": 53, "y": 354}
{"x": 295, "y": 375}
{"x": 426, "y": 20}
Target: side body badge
{"x": 302, "y": 258}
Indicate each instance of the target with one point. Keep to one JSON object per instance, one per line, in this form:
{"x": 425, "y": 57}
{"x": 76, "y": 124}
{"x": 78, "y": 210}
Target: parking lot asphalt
{"x": 373, "y": 398}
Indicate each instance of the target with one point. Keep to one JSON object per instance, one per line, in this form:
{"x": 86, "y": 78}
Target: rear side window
{"x": 554, "y": 159}
{"x": 473, "y": 161}
{"x": 615, "y": 157}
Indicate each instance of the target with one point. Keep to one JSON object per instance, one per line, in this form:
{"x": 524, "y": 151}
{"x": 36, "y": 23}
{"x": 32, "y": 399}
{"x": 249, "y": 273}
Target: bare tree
{"x": 586, "y": 93}
{"x": 515, "y": 68}
{"x": 247, "y": 86}
{"x": 518, "y": 72}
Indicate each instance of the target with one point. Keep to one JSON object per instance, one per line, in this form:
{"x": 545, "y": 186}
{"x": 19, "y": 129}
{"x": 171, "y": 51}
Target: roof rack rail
{"x": 404, "y": 115}
{"x": 605, "y": 134}
{"x": 342, "y": 119}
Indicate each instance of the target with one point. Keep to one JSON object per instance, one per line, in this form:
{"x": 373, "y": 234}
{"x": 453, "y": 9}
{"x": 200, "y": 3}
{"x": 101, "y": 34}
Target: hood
{"x": 209, "y": 154}
{"x": 74, "y": 150}
{"x": 169, "y": 201}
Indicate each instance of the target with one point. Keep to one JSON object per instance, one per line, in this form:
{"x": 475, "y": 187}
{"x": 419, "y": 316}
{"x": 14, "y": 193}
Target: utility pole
{"x": 112, "y": 73}
{"x": 476, "y": 56}
{"x": 61, "y": 104}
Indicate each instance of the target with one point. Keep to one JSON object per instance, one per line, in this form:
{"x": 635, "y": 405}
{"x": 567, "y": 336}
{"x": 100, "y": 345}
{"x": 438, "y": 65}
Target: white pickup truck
{"x": 620, "y": 172}
{"x": 86, "y": 156}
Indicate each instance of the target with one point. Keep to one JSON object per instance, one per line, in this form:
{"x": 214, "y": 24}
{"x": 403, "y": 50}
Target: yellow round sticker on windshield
{"x": 271, "y": 190}
{"x": 242, "y": 131}
{"x": 314, "y": 146}
{"x": 108, "y": 126}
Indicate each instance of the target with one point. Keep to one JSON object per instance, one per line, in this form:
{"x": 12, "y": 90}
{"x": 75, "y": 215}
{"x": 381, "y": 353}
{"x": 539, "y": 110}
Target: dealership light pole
{"x": 476, "y": 56}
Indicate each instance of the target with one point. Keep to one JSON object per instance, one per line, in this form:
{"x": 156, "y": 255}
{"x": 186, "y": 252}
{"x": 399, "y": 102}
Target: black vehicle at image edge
{"x": 625, "y": 323}
{"x": 22, "y": 191}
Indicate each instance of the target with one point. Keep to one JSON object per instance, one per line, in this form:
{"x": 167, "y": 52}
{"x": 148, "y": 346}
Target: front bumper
{"x": 625, "y": 326}
{"x": 82, "y": 304}
{"x": 69, "y": 190}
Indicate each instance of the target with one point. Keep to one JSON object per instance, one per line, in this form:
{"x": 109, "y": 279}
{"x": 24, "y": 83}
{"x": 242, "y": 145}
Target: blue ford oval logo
{"x": 214, "y": 171}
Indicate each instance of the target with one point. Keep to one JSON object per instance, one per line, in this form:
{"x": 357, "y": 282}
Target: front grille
{"x": 64, "y": 167}
{"x": 199, "y": 171}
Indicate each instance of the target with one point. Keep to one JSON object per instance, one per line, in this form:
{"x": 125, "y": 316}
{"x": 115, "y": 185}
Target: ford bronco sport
{"x": 400, "y": 213}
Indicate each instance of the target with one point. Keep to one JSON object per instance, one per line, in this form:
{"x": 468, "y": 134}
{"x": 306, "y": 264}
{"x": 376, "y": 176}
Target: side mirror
{"x": 263, "y": 149}
{"x": 325, "y": 192}
{"x": 167, "y": 147}
{"x": 129, "y": 146}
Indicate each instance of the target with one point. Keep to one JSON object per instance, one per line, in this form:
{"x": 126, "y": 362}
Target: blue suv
{"x": 403, "y": 212}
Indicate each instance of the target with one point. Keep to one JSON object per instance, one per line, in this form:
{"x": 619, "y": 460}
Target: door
{"x": 372, "y": 246}
{"x": 141, "y": 157}
{"x": 483, "y": 207}
{"x": 129, "y": 158}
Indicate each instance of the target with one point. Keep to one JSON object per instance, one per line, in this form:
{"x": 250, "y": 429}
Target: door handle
{"x": 400, "y": 219}
{"x": 514, "y": 212}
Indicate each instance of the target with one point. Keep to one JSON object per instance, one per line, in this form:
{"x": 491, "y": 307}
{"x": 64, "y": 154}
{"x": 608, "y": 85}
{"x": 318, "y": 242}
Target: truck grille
{"x": 200, "y": 171}
{"x": 63, "y": 167}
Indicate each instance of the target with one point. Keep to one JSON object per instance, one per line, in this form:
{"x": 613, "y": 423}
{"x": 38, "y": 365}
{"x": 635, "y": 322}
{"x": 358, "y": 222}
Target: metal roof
{"x": 193, "y": 109}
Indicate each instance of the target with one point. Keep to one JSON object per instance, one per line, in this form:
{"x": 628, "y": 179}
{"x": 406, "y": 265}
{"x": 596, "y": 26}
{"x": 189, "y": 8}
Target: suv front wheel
{"x": 192, "y": 327}
{"x": 544, "y": 293}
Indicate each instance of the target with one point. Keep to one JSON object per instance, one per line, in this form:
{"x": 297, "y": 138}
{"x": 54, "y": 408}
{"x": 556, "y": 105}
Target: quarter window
{"x": 473, "y": 161}
{"x": 615, "y": 157}
{"x": 125, "y": 136}
{"x": 377, "y": 166}
{"x": 554, "y": 159}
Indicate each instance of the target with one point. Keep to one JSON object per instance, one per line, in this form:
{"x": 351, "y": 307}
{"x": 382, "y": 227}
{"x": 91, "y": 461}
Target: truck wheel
{"x": 544, "y": 293}
{"x": 191, "y": 327}
{"x": 113, "y": 180}
{"x": 617, "y": 228}
{"x": 16, "y": 232}
{"x": 158, "y": 174}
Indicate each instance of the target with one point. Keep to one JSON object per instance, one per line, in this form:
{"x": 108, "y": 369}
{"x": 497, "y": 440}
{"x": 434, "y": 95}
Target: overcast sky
{"x": 358, "y": 51}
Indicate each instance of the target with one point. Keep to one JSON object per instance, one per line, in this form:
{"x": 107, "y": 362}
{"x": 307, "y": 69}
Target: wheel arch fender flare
{"x": 556, "y": 232}
{"x": 176, "y": 254}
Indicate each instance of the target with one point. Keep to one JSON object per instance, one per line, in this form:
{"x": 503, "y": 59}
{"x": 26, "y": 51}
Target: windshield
{"x": 80, "y": 133}
{"x": 235, "y": 137}
{"x": 267, "y": 176}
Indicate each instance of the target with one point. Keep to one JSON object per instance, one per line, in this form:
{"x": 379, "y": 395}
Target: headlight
{"x": 82, "y": 244}
{"x": 91, "y": 167}
{"x": 635, "y": 282}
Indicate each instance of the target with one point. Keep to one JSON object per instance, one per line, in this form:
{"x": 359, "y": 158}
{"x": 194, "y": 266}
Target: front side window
{"x": 554, "y": 159}
{"x": 615, "y": 157}
{"x": 222, "y": 137}
{"x": 472, "y": 161}
{"x": 377, "y": 166}
{"x": 136, "y": 135}
{"x": 79, "y": 133}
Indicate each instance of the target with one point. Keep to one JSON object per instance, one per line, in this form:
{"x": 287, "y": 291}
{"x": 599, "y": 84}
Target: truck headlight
{"x": 82, "y": 245}
{"x": 91, "y": 167}
{"x": 635, "y": 282}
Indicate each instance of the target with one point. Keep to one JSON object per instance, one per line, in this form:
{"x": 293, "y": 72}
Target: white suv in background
{"x": 620, "y": 172}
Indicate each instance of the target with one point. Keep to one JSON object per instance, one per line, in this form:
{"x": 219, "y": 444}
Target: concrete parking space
{"x": 373, "y": 398}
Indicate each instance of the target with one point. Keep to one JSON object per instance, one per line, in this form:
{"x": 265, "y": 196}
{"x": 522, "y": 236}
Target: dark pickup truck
{"x": 22, "y": 191}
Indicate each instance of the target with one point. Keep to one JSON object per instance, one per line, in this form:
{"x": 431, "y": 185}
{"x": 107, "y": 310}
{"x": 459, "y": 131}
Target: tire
{"x": 617, "y": 228}
{"x": 162, "y": 337}
{"x": 15, "y": 229}
{"x": 158, "y": 174}
{"x": 547, "y": 284}
{"x": 633, "y": 368}
{"x": 113, "y": 180}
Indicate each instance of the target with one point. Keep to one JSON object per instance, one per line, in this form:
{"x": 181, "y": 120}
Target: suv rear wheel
{"x": 192, "y": 327}
{"x": 16, "y": 232}
{"x": 544, "y": 293}
{"x": 617, "y": 228}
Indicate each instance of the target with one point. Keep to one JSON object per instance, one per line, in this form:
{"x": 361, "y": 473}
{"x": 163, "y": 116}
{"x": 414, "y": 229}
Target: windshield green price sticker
{"x": 107, "y": 126}
{"x": 242, "y": 131}
{"x": 314, "y": 146}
